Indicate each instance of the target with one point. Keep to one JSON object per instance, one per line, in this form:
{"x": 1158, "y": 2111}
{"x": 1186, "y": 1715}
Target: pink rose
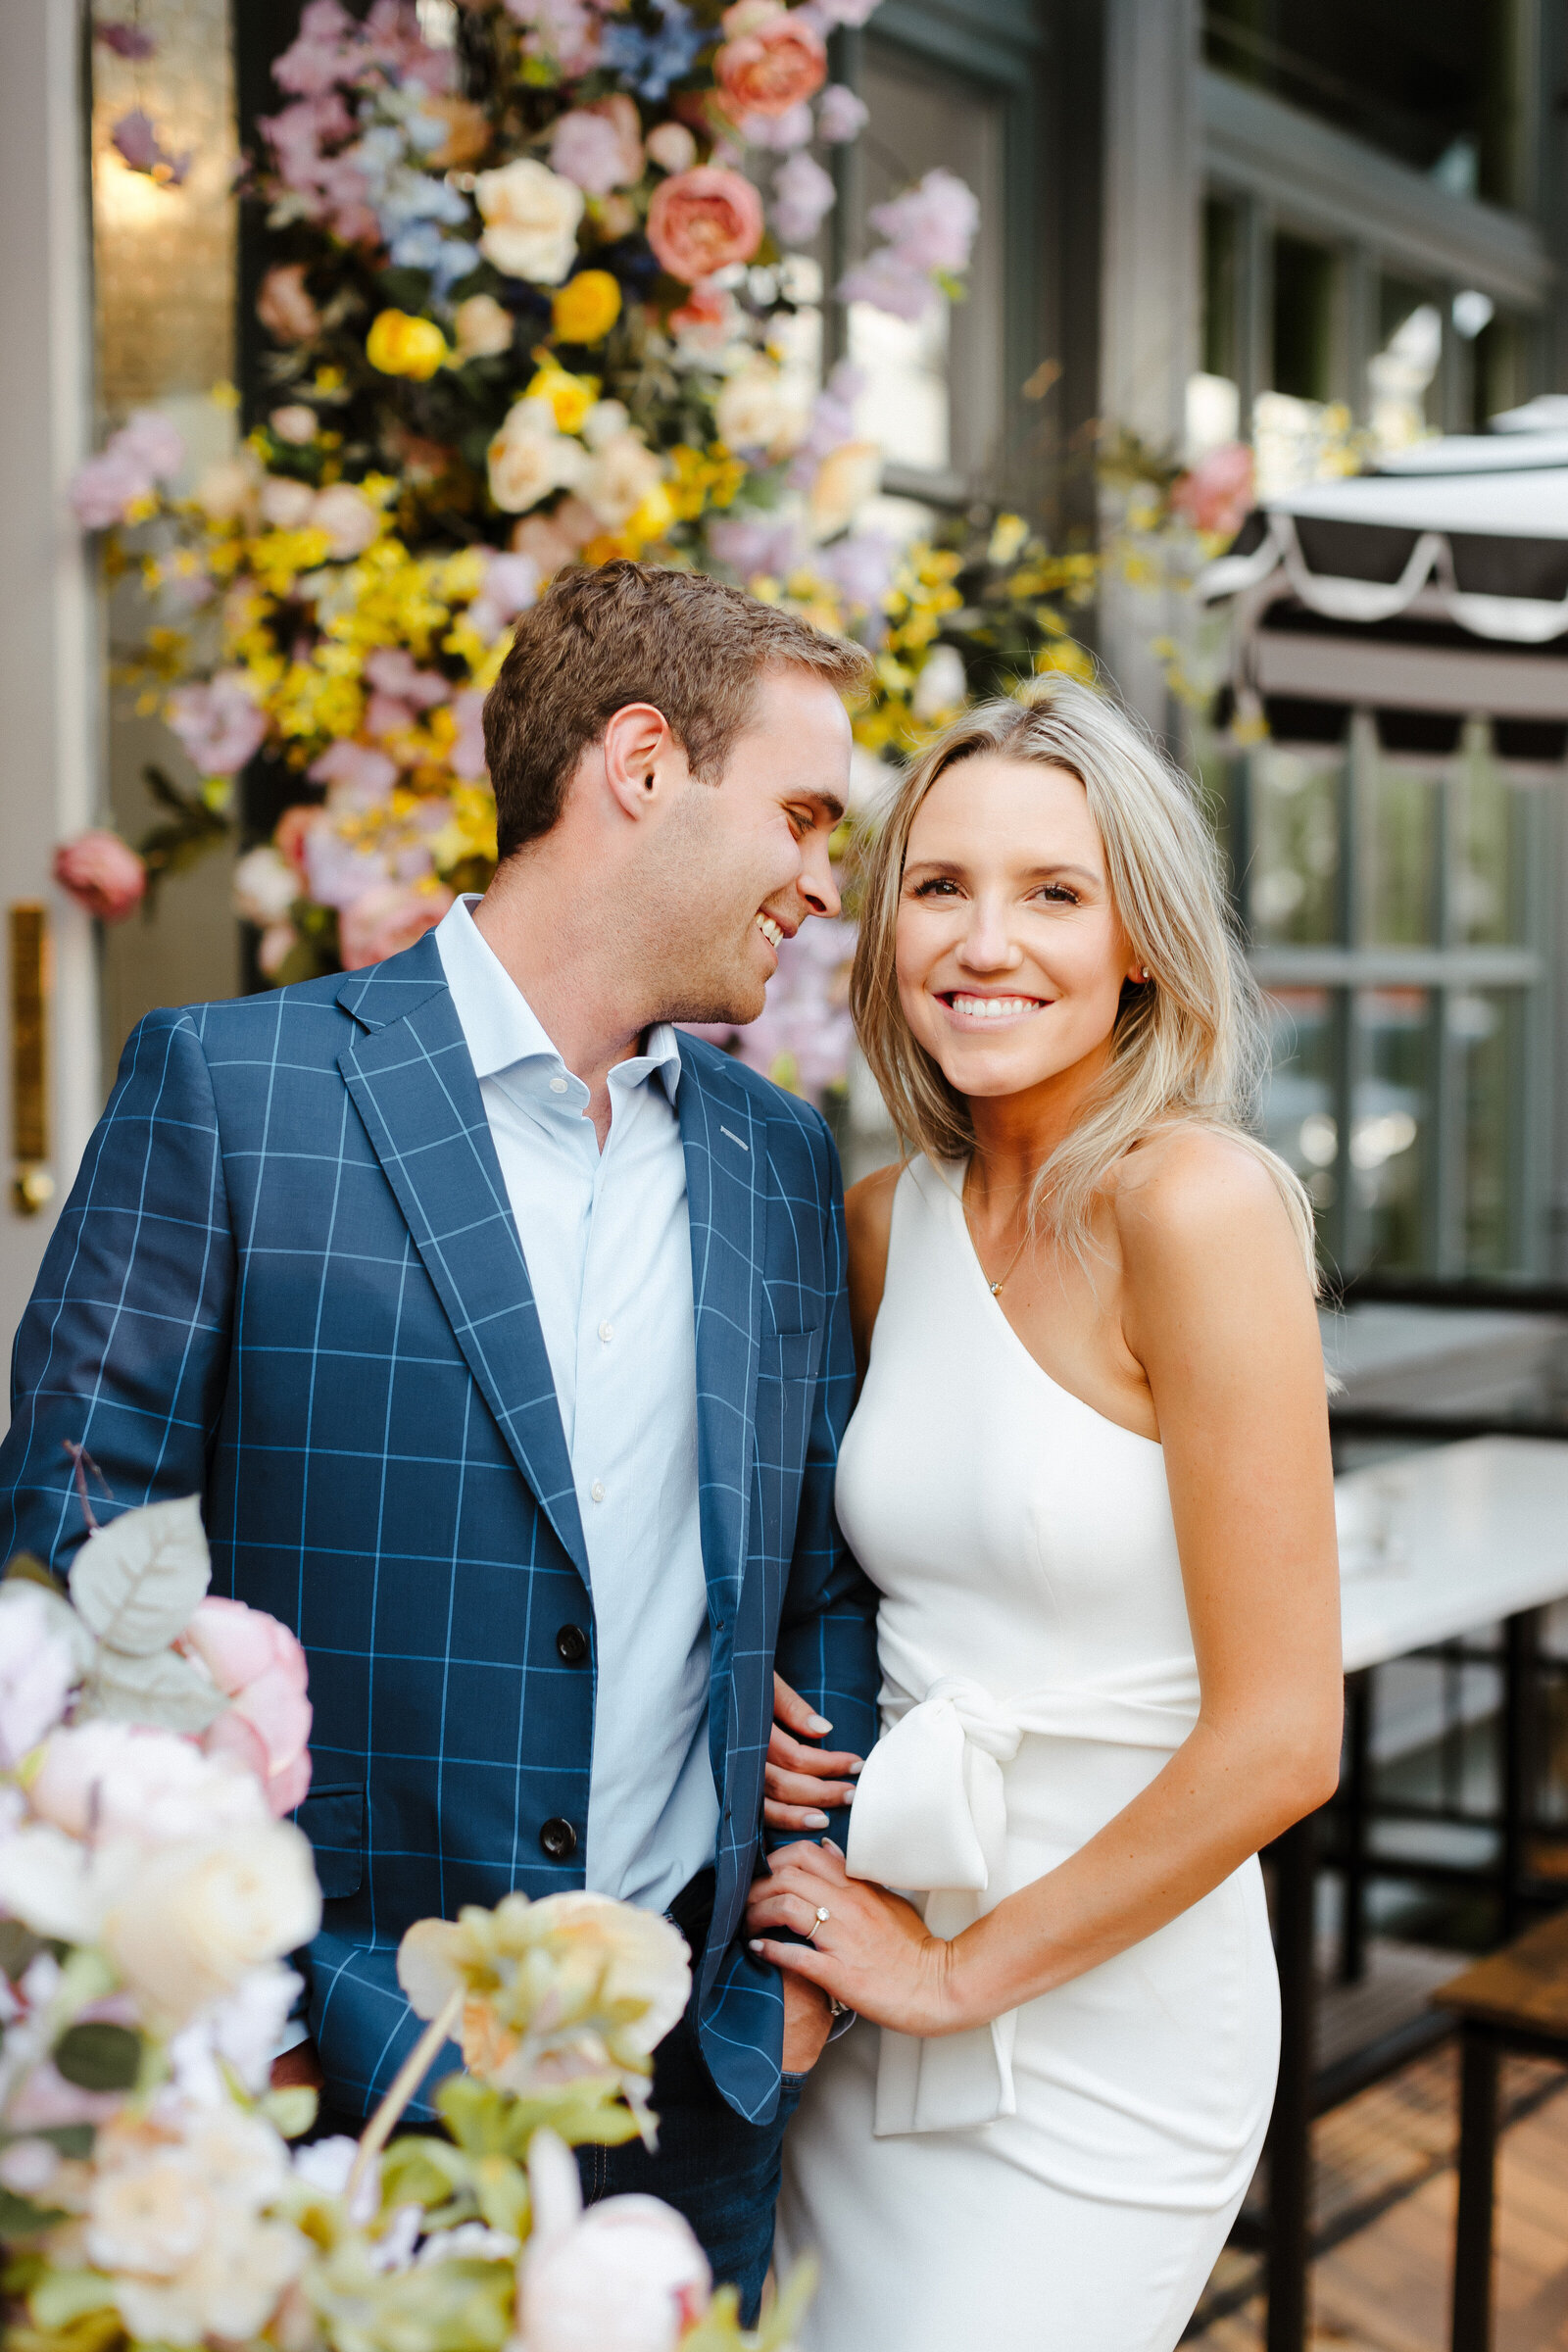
{"x": 465, "y": 759}
{"x": 103, "y": 874}
{"x": 391, "y": 669}
{"x": 260, "y": 1667}
{"x": 627, "y": 2276}
{"x": 703, "y": 220}
{"x": 360, "y": 774}
{"x": 292, "y": 828}
{"x": 348, "y": 518}
{"x": 1217, "y": 494}
{"x": 37, "y": 1668}
{"x": 600, "y": 146}
{"x": 770, "y": 63}
{"x": 388, "y": 918}
{"x": 283, "y": 306}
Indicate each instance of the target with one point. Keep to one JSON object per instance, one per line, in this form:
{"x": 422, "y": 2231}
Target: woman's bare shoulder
{"x": 1194, "y": 1193}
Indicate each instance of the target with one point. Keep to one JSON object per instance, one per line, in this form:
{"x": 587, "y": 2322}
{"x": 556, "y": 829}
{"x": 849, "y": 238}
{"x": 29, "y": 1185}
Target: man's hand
{"x": 800, "y": 1782}
{"x": 808, "y": 2016}
{"x": 299, "y": 2068}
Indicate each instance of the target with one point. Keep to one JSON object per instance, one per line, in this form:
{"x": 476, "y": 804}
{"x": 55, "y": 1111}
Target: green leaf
{"x": 163, "y": 1689}
{"x": 18, "y": 1948}
{"x": 137, "y": 1581}
{"x": 71, "y": 2139}
{"x": 20, "y": 2216}
{"x": 96, "y": 2055}
{"x": 62, "y": 2296}
{"x": 290, "y": 2111}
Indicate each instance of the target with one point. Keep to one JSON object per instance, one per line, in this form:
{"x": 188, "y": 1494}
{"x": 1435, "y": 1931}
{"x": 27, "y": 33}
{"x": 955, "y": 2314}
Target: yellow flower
{"x": 399, "y": 345}
{"x": 571, "y": 397}
{"x": 586, "y": 308}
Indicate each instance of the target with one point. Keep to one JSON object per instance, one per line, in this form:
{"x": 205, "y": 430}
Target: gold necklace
{"x": 995, "y": 1287}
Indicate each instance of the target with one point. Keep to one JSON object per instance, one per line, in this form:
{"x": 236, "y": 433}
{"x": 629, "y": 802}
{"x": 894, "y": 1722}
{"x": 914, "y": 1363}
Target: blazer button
{"x": 559, "y": 1838}
{"x": 571, "y": 1644}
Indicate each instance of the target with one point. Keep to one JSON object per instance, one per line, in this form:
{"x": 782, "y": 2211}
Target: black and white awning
{"x": 1472, "y": 528}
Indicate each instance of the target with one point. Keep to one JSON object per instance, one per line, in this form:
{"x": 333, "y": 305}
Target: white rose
{"x": 286, "y": 503}
{"x": 528, "y": 458}
{"x": 756, "y": 410}
{"x": 148, "y": 2217}
{"x": 623, "y": 471}
{"x": 265, "y": 886}
{"x": 628, "y": 2276}
{"x": 59, "y": 1887}
{"x": 226, "y": 490}
{"x": 196, "y": 1917}
{"x": 604, "y": 420}
{"x": 106, "y": 1778}
{"x": 348, "y": 518}
{"x": 531, "y": 215}
{"x": 230, "y": 2287}
{"x": 845, "y": 478}
{"x": 481, "y": 327}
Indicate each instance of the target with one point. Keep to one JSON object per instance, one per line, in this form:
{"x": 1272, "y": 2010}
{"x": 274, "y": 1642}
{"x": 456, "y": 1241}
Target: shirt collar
{"x": 500, "y": 1026}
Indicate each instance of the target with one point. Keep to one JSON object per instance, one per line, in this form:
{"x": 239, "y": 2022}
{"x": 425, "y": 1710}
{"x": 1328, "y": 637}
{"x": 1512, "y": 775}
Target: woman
{"x": 1089, "y": 1472}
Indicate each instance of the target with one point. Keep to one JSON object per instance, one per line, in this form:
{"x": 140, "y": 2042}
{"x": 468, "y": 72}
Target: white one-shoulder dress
{"x": 1062, "y": 2180}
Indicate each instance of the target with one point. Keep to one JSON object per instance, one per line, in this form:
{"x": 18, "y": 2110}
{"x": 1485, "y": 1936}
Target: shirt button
{"x": 597, "y": 1490}
{"x": 557, "y": 1086}
{"x": 559, "y": 1839}
{"x": 606, "y": 1332}
{"x": 571, "y": 1644}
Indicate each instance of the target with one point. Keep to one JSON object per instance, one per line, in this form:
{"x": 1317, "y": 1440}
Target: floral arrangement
{"x": 539, "y": 296}
{"x": 152, "y": 1738}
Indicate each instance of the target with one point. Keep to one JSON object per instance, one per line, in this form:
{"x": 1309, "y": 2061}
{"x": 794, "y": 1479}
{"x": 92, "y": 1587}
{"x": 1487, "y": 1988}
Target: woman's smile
{"x": 984, "y": 1009}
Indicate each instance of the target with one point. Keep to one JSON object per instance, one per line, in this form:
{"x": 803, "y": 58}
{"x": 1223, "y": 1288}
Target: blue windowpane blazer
{"x": 288, "y": 1279}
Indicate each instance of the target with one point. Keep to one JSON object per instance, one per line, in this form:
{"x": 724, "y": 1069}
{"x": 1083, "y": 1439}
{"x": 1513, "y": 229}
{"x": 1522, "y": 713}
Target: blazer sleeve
{"x": 124, "y": 1348}
{"x": 827, "y": 1631}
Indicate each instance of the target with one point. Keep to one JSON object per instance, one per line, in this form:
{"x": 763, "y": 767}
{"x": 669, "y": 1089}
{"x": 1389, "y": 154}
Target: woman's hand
{"x": 799, "y": 1782}
{"x": 871, "y": 1952}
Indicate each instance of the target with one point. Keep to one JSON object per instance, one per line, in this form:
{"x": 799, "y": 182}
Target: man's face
{"x": 738, "y": 866}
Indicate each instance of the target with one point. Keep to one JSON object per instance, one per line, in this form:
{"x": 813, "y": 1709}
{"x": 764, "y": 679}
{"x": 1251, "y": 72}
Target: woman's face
{"x": 1010, "y": 958}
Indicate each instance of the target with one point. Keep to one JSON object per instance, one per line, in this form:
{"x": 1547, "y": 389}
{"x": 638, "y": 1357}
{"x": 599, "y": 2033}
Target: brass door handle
{"x": 33, "y": 1184}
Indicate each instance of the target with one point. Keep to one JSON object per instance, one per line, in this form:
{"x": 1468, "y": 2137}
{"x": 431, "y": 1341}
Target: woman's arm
{"x": 1217, "y": 1309}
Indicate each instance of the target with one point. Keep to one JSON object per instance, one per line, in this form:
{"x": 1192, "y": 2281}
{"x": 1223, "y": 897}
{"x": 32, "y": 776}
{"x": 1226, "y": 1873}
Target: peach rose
{"x": 103, "y": 874}
{"x": 1216, "y": 496}
{"x": 703, "y": 220}
{"x": 390, "y": 917}
{"x": 260, "y": 1667}
{"x": 283, "y": 306}
{"x": 772, "y": 60}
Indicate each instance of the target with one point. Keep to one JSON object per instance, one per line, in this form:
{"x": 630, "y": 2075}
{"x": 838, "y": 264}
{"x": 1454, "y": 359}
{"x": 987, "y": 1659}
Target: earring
{"x": 1143, "y": 971}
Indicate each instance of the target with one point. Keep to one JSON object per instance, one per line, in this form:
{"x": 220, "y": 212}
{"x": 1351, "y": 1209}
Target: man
{"x": 503, "y": 1333}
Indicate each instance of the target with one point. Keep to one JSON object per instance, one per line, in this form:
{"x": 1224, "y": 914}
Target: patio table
{"x": 1451, "y": 1540}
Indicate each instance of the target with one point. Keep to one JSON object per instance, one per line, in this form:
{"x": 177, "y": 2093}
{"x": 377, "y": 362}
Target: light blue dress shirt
{"x": 608, "y": 1244}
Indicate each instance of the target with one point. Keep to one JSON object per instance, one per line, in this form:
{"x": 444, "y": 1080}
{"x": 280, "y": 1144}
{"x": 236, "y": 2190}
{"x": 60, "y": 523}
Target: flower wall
{"x": 543, "y": 296}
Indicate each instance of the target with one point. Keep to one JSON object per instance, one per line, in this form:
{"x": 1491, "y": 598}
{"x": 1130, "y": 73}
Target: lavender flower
{"x": 803, "y": 197}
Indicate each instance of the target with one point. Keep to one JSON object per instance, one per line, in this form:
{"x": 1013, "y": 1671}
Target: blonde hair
{"x": 1190, "y": 1046}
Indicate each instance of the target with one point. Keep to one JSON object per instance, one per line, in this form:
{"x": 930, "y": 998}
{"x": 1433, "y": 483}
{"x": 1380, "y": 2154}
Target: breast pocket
{"x": 333, "y": 1820}
{"x": 786, "y": 1384}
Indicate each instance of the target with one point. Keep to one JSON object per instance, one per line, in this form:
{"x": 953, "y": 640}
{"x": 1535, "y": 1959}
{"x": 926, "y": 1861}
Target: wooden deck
{"x": 1384, "y": 2192}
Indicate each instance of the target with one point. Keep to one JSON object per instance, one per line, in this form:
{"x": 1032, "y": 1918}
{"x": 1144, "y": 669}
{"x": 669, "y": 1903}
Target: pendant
{"x": 996, "y": 1288}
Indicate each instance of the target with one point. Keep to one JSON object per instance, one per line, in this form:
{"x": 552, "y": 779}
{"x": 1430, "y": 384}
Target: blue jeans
{"x": 720, "y": 2171}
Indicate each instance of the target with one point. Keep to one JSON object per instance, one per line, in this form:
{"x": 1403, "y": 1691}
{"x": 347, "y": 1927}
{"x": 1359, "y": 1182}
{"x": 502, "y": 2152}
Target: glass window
{"x": 1221, "y": 262}
{"x": 1432, "y": 84}
{"x": 1297, "y": 800}
{"x": 1398, "y": 861}
{"x": 1391, "y": 1120}
{"x": 1303, "y": 318}
{"x": 1486, "y": 1028}
{"x": 934, "y": 397}
{"x": 1492, "y": 847}
{"x": 1299, "y": 1114}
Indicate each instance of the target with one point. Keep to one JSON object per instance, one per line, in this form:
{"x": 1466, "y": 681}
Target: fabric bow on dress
{"x": 931, "y": 1816}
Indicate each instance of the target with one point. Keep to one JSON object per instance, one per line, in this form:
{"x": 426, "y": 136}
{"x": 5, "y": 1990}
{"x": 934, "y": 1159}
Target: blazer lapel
{"x": 725, "y": 1145}
{"x": 414, "y": 1085}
